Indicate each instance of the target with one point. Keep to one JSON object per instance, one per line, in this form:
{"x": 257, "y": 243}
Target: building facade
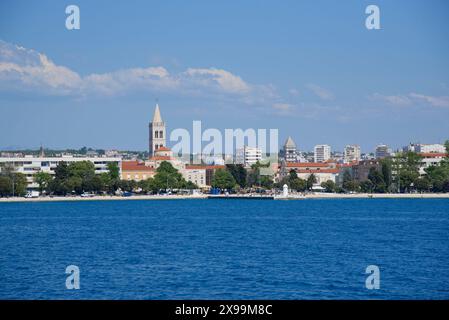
{"x": 137, "y": 171}
{"x": 430, "y": 148}
{"x": 248, "y": 156}
{"x": 289, "y": 150}
{"x": 361, "y": 170}
{"x": 157, "y": 133}
{"x": 322, "y": 153}
{"x": 352, "y": 153}
{"x": 430, "y": 159}
{"x": 382, "y": 151}
{"x": 322, "y": 171}
{"x": 30, "y": 165}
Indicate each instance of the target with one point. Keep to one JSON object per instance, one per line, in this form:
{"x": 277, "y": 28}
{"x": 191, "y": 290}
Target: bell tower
{"x": 156, "y": 131}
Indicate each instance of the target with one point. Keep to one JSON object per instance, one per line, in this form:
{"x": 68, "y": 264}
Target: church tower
{"x": 157, "y": 132}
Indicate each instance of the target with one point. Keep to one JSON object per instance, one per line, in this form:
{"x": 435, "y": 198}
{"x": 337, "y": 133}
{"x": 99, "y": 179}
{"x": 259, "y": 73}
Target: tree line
{"x": 80, "y": 177}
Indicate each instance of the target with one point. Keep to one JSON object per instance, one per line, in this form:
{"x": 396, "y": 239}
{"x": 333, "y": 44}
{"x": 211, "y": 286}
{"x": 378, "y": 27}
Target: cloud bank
{"x": 27, "y": 70}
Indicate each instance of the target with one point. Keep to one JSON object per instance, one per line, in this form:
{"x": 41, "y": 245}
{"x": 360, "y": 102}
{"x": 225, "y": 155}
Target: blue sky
{"x": 309, "y": 68}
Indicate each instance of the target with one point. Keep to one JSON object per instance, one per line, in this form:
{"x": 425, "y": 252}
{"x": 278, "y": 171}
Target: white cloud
{"x": 32, "y": 70}
{"x": 441, "y": 101}
{"x": 413, "y": 99}
{"x": 322, "y": 93}
{"x": 396, "y": 100}
{"x": 25, "y": 69}
{"x": 282, "y": 106}
{"x": 293, "y": 92}
{"x": 219, "y": 78}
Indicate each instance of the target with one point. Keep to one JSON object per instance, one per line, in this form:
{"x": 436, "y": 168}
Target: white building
{"x": 430, "y": 148}
{"x": 382, "y": 151}
{"x": 322, "y": 153}
{"x": 156, "y": 132}
{"x": 430, "y": 159}
{"x": 289, "y": 150}
{"x": 195, "y": 175}
{"x": 352, "y": 153}
{"x": 248, "y": 156}
{"x": 30, "y": 165}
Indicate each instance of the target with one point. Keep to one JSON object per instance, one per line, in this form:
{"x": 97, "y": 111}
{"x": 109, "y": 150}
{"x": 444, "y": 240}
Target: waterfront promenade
{"x": 317, "y": 195}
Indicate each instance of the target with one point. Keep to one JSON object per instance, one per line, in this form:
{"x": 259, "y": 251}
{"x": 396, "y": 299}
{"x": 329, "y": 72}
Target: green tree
{"x": 298, "y": 184}
{"x": 223, "y": 179}
{"x": 329, "y": 186}
{"x": 5, "y": 186}
{"x": 367, "y": 186}
{"x": 266, "y": 182}
{"x": 311, "y": 180}
{"x": 43, "y": 179}
{"x": 422, "y": 184}
{"x": 168, "y": 177}
{"x": 348, "y": 182}
{"x": 386, "y": 169}
{"x": 62, "y": 171}
{"x": 377, "y": 179}
{"x": 82, "y": 169}
{"x": 239, "y": 173}
{"x": 407, "y": 169}
{"x": 113, "y": 170}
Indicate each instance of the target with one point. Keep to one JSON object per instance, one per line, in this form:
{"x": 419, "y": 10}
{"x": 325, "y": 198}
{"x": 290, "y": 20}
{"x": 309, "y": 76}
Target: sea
{"x": 225, "y": 249}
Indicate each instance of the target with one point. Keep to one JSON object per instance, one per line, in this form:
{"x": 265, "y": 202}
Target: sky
{"x": 310, "y": 69}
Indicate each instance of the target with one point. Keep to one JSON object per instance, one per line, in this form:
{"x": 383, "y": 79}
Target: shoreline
{"x": 205, "y": 196}
{"x": 103, "y": 198}
{"x": 366, "y": 196}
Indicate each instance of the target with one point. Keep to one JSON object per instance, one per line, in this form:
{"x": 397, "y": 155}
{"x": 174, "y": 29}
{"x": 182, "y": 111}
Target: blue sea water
{"x": 225, "y": 249}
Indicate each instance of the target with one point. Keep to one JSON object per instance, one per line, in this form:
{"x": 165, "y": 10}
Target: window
{"x": 156, "y": 146}
{"x": 161, "y": 134}
{"x": 156, "y": 134}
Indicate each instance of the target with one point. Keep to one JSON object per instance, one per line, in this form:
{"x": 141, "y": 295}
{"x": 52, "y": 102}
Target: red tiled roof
{"x": 163, "y": 149}
{"x": 433, "y": 155}
{"x": 307, "y": 165}
{"x": 166, "y": 158}
{"x": 318, "y": 171}
{"x": 135, "y": 166}
{"x": 192, "y": 166}
{"x": 347, "y": 165}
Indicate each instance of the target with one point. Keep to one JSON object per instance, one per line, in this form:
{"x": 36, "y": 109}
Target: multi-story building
{"x": 289, "y": 151}
{"x": 248, "y": 156}
{"x": 425, "y": 148}
{"x": 30, "y": 165}
{"x": 322, "y": 171}
{"x": 382, "y": 151}
{"x": 156, "y": 132}
{"x": 322, "y": 153}
{"x": 361, "y": 170}
{"x": 430, "y": 148}
{"x": 201, "y": 175}
{"x": 352, "y": 153}
{"x": 430, "y": 159}
{"x": 136, "y": 170}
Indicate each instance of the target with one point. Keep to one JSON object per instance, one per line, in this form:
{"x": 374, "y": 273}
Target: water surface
{"x": 225, "y": 249}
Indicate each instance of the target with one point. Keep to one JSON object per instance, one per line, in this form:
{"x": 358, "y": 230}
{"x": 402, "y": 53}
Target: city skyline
{"x": 241, "y": 69}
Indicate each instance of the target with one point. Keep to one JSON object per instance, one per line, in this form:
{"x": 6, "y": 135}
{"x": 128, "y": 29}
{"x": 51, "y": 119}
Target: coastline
{"x": 204, "y": 196}
{"x": 367, "y": 196}
{"x": 103, "y": 198}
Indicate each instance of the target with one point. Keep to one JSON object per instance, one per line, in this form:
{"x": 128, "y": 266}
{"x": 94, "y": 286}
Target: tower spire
{"x": 157, "y": 114}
